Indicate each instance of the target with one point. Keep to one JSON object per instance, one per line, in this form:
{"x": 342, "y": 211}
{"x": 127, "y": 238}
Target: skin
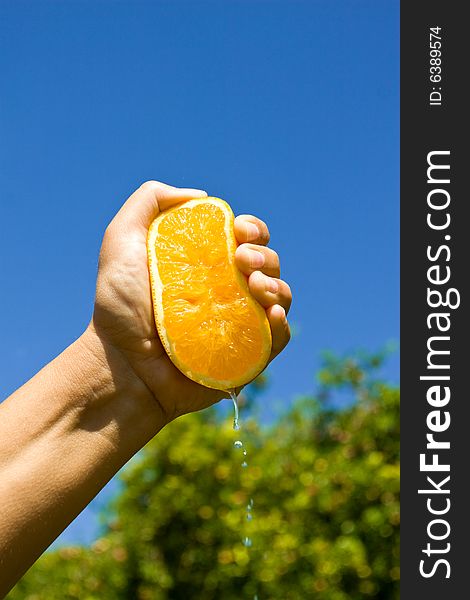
{"x": 68, "y": 430}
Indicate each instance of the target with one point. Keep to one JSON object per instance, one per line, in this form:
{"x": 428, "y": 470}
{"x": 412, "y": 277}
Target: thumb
{"x": 152, "y": 197}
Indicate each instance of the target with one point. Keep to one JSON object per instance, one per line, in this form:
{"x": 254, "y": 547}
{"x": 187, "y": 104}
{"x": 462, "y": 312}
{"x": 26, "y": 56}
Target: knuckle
{"x": 287, "y": 290}
{"x": 265, "y": 235}
{"x": 275, "y": 262}
{"x": 148, "y": 185}
{"x": 258, "y": 280}
{"x": 275, "y": 257}
{"x": 242, "y": 251}
{"x": 254, "y": 264}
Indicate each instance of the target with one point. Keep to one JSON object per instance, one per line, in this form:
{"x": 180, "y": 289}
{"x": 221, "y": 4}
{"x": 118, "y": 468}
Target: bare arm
{"x": 63, "y": 435}
{"x": 68, "y": 430}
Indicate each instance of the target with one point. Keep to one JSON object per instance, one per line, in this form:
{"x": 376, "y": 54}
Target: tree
{"x": 324, "y": 483}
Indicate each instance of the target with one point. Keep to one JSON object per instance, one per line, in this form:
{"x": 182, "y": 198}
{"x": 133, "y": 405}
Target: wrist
{"x": 112, "y": 398}
{"x": 67, "y": 431}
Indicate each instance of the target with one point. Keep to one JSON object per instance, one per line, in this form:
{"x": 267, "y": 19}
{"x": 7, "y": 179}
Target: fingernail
{"x": 256, "y": 259}
{"x": 272, "y": 286}
{"x": 252, "y": 232}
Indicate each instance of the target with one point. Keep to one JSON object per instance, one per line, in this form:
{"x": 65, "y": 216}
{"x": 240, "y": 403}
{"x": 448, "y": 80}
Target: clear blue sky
{"x": 288, "y": 110}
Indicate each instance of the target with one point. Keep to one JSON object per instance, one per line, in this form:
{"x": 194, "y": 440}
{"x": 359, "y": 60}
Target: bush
{"x": 324, "y": 482}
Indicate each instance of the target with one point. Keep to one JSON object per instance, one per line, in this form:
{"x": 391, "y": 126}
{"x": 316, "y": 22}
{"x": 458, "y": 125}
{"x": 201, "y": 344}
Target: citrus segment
{"x": 210, "y": 325}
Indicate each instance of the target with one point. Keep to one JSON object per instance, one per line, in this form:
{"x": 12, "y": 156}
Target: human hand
{"x": 123, "y": 316}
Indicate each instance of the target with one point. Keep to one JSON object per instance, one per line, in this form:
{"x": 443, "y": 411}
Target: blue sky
{"x": 287, "y": 110}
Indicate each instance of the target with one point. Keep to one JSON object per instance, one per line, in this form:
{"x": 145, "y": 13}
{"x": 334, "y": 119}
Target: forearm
{"x": 63, "y": 435}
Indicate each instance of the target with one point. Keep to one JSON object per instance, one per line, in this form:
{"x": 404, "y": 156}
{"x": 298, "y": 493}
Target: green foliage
{"x": 325, "y": 486}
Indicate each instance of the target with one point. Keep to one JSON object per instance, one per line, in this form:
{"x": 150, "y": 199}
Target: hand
{"x": 85, "y": 414}
{"x": 123, "y": 315}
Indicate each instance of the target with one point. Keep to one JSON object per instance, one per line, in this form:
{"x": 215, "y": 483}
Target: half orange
{"x": 210, "y": 325}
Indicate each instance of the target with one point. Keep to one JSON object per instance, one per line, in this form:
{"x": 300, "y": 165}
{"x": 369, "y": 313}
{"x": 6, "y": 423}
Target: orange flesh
{"x": 209, "y": 316}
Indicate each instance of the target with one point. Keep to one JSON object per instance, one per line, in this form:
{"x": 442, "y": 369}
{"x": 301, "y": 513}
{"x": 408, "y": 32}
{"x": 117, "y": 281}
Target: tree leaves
{"x": 325, "y": 485}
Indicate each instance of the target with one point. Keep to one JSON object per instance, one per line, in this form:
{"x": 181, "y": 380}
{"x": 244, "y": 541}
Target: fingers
{"x": 250, "y": 258}
{"x": 152, "y": 197}
{"x": 269, "y": 291}
{"x": 261, "y": 266}
{"x": 279, "y": 329}
{"x": 251, "y": 229}
{"x": 276, "y": 297}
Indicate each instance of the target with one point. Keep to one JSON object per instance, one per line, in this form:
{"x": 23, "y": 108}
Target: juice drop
{"x": 238, "y": 444}
{"x": 233, "y": 395}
